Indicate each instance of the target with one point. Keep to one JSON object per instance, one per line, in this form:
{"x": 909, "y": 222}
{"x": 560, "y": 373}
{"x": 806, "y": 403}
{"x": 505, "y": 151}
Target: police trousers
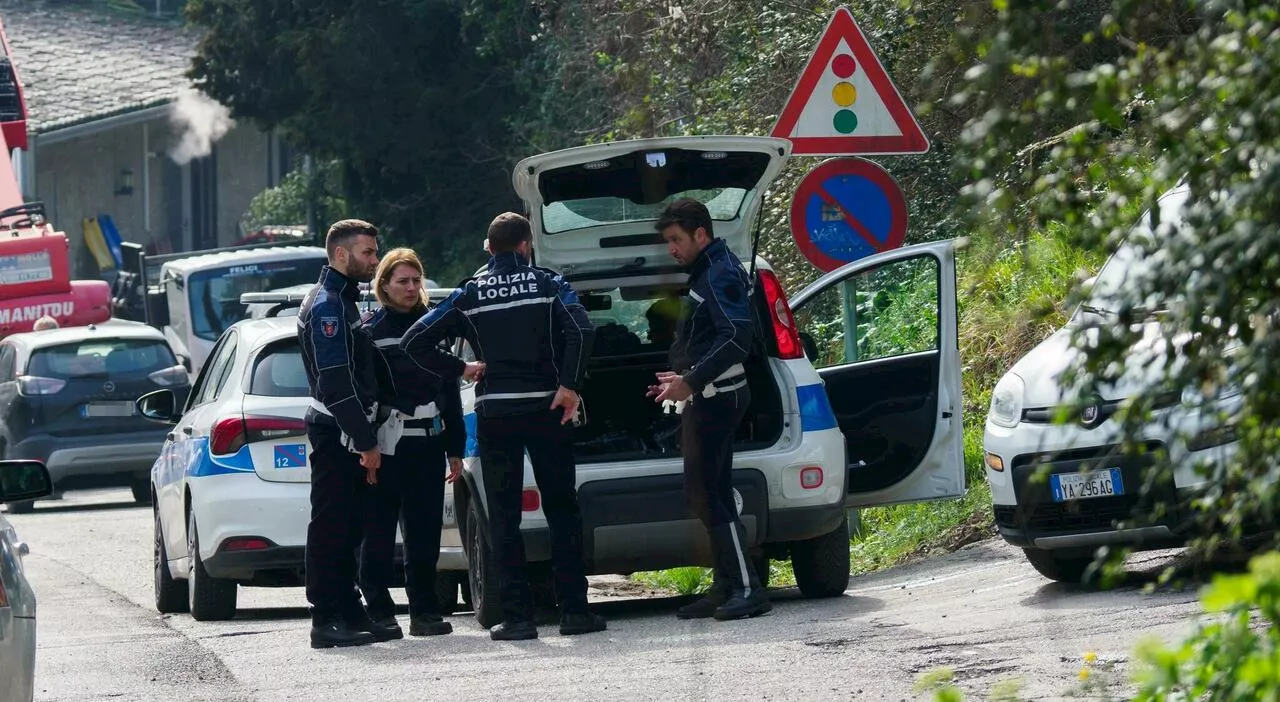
{"x": 707, "y": 426}
{"x": 409, "y": 493}
{"x": 338, "y": 490}
{"x": 503, "y": 442}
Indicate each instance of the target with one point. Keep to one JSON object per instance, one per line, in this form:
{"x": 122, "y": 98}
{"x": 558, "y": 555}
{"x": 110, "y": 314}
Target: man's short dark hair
{"x": 689, "y": 214}
{"x": 507, "y": 231}
{"x": 344, "y": 232}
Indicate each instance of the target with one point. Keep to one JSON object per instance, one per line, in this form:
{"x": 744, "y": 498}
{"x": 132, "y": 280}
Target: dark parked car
{"x": 67, "y": 399}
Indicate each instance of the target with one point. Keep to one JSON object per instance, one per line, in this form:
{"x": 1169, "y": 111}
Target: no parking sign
{"x": 847, "y": 209}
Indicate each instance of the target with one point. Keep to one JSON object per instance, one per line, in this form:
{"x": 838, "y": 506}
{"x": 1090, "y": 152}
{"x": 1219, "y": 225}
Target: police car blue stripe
{"x": 473, "y": 445}
{"x": 815, "y": 409}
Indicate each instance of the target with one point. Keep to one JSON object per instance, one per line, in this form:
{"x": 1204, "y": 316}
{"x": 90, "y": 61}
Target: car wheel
{"x": 171, "y": 594}
{"x": 1060, "y": 567}
{"x": 446, "y": 593}
{"x": 210, "y": 599}
{"x": 821, "y": 565}
{"x": 482, "y": 573}
{"x": 141, "y": 489}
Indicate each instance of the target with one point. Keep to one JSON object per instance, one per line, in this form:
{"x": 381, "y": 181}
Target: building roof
{"x": 81, "y": 64}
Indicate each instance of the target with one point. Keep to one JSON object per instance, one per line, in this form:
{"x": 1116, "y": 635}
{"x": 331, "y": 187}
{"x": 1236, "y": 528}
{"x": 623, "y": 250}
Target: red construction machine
{"x": 35, "y": 266}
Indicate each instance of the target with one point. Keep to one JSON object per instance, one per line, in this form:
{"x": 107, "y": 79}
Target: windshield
{"x": 279, "y": 372}
{"x": 636, "y": 187}
{"x": 1117, "y": 281}
{"x": 215, "y": 294}
{"x": 101, "y": 358}
{"x": 633, "y": 320}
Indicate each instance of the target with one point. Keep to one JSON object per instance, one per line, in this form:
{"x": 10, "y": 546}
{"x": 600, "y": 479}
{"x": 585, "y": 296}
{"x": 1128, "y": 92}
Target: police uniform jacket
{"x": 430, "y": 400}
{"x": 525, "y": 323}
{"x": 717, "y": 328}
{"x": 344, "y": 369}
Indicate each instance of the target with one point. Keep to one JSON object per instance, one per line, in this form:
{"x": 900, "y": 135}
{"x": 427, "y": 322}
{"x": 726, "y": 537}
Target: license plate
{"x": 123, "y": 408}
{"x": 290, "y": 456}
{"x": 1083, "y": 486}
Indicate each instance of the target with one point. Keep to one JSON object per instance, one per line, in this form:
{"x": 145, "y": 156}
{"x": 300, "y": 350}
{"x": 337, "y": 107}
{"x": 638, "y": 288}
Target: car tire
{"x": 821, "y": 565}
{"x": 446, "y": 593}
{"x": 141, "y": 489}
{"x": 1059, "y": 567}
{"x": 482, "y": 573}
{"x": 210, "y": 599}
{"x": 171, "y": 593}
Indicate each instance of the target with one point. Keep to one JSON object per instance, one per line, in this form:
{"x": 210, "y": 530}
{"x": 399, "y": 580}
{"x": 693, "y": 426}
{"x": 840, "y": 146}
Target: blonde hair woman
{"x": 410, "y": 487}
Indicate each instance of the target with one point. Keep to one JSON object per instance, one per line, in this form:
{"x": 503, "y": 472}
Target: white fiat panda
{"x": 855, "y": 385}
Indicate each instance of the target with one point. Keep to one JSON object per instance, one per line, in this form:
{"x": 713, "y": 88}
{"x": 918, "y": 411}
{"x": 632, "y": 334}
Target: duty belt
{"x": 375, "y": 415}
{"x": 732, "y": 379}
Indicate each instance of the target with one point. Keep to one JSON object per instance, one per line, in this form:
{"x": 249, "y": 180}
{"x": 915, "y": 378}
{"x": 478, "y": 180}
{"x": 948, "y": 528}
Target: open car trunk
{"x": 621, "y": 424}
{"x": 631, "y": 346}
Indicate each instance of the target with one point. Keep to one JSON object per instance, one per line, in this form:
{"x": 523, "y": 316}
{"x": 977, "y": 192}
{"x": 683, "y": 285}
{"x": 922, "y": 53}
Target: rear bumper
{"x": 128, "y": 455}
{"x": 636, "y": 524}
{"x": 17, "y": 656}
{"x": 243, "y": 505}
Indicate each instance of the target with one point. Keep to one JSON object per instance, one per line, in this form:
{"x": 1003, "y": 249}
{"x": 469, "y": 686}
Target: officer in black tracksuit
{"x": 709, "y": 384}
{"x": 344, "y": 371}
{"x": 411, "y": 483}
{"x": 531, "y": 332}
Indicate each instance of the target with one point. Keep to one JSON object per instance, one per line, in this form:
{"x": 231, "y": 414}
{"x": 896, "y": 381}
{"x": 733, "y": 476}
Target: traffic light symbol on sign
{"x": 844, "y": 94}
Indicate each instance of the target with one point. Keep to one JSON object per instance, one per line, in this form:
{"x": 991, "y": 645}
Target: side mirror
{"x": 24, "y": 480}
{"x": 810, "y": 348}
{"x": 158, "y": 406}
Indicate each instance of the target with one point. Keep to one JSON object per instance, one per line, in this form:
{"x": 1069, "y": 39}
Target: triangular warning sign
{"x": 845, "y": 103}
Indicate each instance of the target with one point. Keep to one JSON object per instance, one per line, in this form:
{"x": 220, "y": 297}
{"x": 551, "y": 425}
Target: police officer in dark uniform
{"x": 528, "y": 327}
{"x": 711, "y": 390}
{"x": 342, "y": 371}
{"x": 415, "y": 443}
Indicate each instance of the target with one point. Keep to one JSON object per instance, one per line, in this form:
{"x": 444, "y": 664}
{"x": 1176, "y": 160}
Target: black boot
{"x": 332, "y": 632}
{"x": 706, "y": 606}
{"x": 747, "y": 597}
{"x": 428, "y": 625}
{"x": 514, "y": 630}
{"x": 574, "y": 623}
{"x": 383, "y": 626}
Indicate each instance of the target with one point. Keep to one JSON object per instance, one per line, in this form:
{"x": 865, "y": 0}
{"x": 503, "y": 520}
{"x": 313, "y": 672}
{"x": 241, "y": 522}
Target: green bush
{"x": 1234, "y": 657}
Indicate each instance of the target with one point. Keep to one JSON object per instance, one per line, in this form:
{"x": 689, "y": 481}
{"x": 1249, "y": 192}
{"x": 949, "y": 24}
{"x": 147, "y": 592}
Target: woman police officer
{"x": 410, "y": 484}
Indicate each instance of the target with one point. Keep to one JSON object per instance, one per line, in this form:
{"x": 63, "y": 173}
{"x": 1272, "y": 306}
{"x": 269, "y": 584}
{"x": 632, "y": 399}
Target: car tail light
{"x": 35, "y": 385}
{"x": 170, "y": 377}
{"x": 784, "y": 326}
{"x": 232, "y": 433}
{"x": 530, "y": 501}
{"x": 811, "y": 478}
{"x": 245, "y": 544}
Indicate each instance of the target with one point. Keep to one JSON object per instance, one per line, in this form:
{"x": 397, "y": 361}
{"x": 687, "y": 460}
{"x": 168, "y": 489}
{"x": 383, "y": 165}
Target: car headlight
{"x": 1006, "y": 402}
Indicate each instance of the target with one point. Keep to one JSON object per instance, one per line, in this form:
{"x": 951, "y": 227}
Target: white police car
{"x": 232, "y": 481}
{"x": 871, "y": 417}
{"x": 1060, "y": 490}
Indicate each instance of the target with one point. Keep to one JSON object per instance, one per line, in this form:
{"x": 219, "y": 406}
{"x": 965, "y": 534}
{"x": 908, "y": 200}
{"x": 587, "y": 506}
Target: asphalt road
{"x": 982, "y": 612}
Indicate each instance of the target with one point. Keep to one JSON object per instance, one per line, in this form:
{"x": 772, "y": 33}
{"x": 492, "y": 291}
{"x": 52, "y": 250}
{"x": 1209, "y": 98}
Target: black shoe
{"x": 336, "y": 634}
{"x": 428, "y": 625}
{"x": 519, "y": 630}
{"x": 738, "y": 606}
{"x": 574, "y": 623}
{"x": 704, "y": 607}
{"x": 383, "y": 628}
